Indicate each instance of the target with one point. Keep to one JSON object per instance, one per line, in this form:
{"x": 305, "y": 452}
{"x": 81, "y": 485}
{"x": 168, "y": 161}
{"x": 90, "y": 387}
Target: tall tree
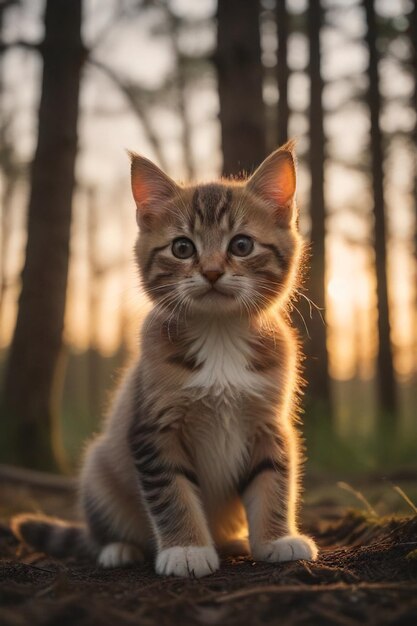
{"x": 4, "y": 182}
{"x": 9, "y": 169}
{"x": 317, "y": 362}
{"x": 180, "y": 70}
{"x": 32, "y": 372}
{"x": 282, "y": 70}
{"x": 240, "y": 82}
{"x": 386, "y": 378}
{"x": 413, "y": 41}
{"x": 95, "y": 286}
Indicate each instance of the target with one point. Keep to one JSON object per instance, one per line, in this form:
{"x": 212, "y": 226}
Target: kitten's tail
{"x": 52, "y": 536}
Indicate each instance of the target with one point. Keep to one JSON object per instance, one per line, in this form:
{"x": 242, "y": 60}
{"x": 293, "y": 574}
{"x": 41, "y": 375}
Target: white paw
{"x": 187, "y": 562}
{"x": 287, "y": 548}
{"x": 119, "y": 554}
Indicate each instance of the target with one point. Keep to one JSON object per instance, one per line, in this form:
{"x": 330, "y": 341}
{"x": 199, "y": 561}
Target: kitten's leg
{"x": 269, "y": 493}
{"x": 119, "y": 554}
{"x": 117, "y": 523}
{"x": 110, "y": 528}
{"x": 172, "y": 497}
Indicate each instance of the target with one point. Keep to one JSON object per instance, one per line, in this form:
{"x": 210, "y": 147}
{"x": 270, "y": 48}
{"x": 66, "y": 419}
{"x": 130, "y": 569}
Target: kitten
{"x": 200, "y": 446}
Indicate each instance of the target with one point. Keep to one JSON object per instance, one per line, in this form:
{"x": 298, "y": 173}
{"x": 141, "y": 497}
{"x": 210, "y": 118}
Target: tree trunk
{"x": 4, "y": 191}
{"x": 8, "y": 186}
{"x": 282, "y": 71}
{"x": 413, "y": 41}
{"x": 386, "y": 379}
{"x": 32, "y": 372}
{"x": 181, "y": 84}
{"x": 240, "y": 82}
{"x": 317, "y": 363}
{"x": 6, "y": 178}
{"x": 95, "y": 285}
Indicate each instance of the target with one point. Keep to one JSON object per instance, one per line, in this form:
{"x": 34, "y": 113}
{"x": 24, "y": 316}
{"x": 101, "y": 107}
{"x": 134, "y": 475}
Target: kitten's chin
{"x": 215, "y": 301}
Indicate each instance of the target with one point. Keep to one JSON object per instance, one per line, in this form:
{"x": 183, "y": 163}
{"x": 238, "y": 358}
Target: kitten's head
{"x": 224, "y": 247}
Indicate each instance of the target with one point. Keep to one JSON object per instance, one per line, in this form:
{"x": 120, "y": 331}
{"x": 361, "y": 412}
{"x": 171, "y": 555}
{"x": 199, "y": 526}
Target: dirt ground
{"x": 366, "y": 574}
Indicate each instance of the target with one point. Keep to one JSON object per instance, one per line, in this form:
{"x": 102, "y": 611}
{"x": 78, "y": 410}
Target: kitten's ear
{"x": 275, "y": 181}
{"x": 150, "y": 188}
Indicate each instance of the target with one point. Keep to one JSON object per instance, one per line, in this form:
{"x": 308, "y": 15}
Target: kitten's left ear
{"x": 151, "y": 187}
{"x": 275, "y": 181}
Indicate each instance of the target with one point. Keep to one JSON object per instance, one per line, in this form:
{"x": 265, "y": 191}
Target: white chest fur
{"x": 219, "y": 442}
{"x": 221, "y": 349}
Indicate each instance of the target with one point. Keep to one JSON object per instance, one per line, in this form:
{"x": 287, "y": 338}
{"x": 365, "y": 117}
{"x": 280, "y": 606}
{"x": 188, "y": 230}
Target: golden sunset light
{"x": 208, "y": 312}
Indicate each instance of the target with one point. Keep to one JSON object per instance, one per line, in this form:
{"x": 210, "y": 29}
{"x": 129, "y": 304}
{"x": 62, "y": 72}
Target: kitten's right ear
{"x": 275, "y": 182}
{"x": 150, "y": 187}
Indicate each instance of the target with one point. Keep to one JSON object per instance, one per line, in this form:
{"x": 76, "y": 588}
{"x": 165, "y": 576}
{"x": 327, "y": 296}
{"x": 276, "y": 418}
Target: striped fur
{"x": 51, "y": 535}
{"x": 200, "y": 449}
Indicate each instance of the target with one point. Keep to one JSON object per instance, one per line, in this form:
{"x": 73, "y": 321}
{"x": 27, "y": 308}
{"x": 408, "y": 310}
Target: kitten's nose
{"x": 212, "y": 275}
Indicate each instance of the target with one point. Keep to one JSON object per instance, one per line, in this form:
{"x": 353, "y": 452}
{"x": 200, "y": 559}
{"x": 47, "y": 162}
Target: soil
{"x": 366, "y": 574}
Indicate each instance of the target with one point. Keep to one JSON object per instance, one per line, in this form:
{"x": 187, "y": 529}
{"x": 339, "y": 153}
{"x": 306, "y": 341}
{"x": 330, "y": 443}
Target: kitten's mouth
{"x": 215, "y": 292}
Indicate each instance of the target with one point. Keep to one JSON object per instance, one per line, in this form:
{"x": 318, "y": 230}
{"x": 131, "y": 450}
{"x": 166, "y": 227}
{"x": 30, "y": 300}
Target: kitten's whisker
{"x": 245, "y": 303}
{"x": 304, "y": 322}
{"x": 312, "y": 304}
{"x": 301, "y": 315}
{"x": 178, "y": 306}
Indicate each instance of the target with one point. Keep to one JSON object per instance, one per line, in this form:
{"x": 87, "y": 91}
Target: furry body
{"x": 200, "y": 448}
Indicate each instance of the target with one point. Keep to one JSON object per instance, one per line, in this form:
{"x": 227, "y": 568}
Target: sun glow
{"x": 337, "y": 290}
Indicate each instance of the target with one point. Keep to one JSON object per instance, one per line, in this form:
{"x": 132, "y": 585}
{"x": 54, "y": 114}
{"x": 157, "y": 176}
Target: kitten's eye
{"x": 241, "y": 245}
{"x": 183, "y": 248}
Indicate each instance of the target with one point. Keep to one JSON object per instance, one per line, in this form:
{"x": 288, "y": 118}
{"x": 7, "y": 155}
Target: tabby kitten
{"x": 200, "y": 447}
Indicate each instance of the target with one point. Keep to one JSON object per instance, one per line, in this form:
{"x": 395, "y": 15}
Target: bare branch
{"x": 129, "y": 91}
{"x": 27, "y": 45}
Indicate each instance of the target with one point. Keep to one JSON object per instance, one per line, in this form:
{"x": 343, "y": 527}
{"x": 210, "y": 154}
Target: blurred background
{"x": 203, "y": 89}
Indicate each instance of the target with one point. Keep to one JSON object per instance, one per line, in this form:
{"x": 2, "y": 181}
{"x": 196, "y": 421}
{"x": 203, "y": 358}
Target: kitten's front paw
{"x": 287, "y": 548}
{"x": 191, "y": 561}
{"x": 119, "y": 554}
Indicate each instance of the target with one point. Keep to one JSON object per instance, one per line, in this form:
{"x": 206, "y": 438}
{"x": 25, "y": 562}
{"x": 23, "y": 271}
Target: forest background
{"x": 203, "y": 89}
